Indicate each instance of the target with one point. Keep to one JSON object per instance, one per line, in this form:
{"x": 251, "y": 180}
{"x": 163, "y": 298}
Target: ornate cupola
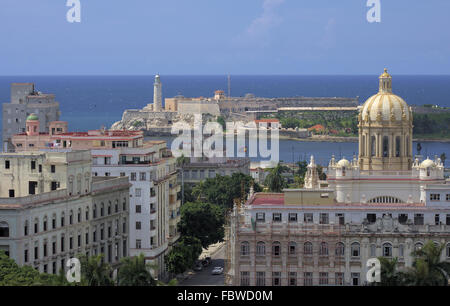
{"x": 385, "y": 130}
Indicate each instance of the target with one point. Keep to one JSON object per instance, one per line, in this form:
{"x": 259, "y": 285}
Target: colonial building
{"x": 24, "y": 101}
{"x": 150, "y": 166}
{"x": 383, "y": 203}
{"x": 51, "y": 209}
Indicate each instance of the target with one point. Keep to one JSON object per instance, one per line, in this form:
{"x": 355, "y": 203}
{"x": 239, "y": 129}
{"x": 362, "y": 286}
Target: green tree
{"x": 222, "y": 122}
{"x": 183, "y": 255}
{"x": 390, "y": 276}
{"x": 302, "y": 168}
{"x": 95, "y": 272}
{"x": 275, "y": 181}
{"x": 11, "y": 274}
{"x": 443, "y": 158}
{"x": 133, "y": 271}
{"x": 203, "y": 221}
{"x": 427, "y": 268}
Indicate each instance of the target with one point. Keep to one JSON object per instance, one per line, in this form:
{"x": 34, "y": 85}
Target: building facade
{"x": 149, "y": 165}
{"x": 51, "y": 209}
{"x": 383, "y": 203}
{"x": 24, "y": 101}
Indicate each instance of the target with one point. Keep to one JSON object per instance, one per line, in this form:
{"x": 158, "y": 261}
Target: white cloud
{"x": 264, "y": 22}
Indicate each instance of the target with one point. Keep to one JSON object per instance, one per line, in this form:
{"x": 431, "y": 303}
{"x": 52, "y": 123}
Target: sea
{"x": 89, "y": 102}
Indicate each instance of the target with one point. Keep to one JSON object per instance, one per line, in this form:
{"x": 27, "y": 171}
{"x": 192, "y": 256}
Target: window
{"x": 373, "y": 250}
{"x": 402, "y": 218}
{"x": 142, "y": 176}
{"x": 292, "y": 278}
{"x": 308, "y": 218}
{"x": 62, "y": 244}
{"x": 418, "y": 219}
{"x": 292, "y": 248}
{"x": 260, "y": 248}
{"x": 371, "y": 218}
{"x": 245, "y": 248}
{"x": 355, "y": 249}
{"x": 137, "y": 192}
{"x": 341, "y": 219}
{"x": 138, "y": 209}
{"x": 276, "y": 249}
{"x": 355, "y": 279}
{"x": 133, "y": 176}
{"x": 323, "y": 278}
{"x": 33, "y": 165}
{"x": 276, "y": 278}
{"x": 437, "y": 219}
{"x": 52, "y": 168}
{"x": 385, "y": 146}
{"x": 373, "y": 150}
{"x": 138, "y": 243}
{"x": 25, "y": 255}
{"x": 11, "y": 193}
{"x": 4, "y": 229}
{"x": 7, "y": 164}
{"x": 25, "y": 229}
{"x": 260, "y": 217}
{"x": 397, "y": 146}
{"x": 292, "y": 217}
{"x": 323, "y": 218}
{"x": 447, "y": 250}
{"x": 340, "y": 249}
{"x": 308, "y": 248}
{"x": 54, "y": 185}
{"x": 260, "y": 278}
{"x": 245, "y": 278}
{"x": 401, "y": 250}
{"x": 138, "y": 225}
{"x": 36, "y": 252}
{"x": 308, "y": 279}
{"x": 447, "y": 197}
{"x": 323, "y": 249}
{"x": 418, "y": 246}
{"x": 339, "y": 279}
{"x": 276, "y": 217}
{"x": 435, "y": 197}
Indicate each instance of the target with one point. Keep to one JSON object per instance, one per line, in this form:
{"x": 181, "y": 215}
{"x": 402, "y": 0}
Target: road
{"x": 204, "y": 277}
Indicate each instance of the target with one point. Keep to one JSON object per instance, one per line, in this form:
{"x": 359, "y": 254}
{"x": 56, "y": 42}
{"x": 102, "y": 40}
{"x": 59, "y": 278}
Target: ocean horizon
{"x": 87, "y": 102}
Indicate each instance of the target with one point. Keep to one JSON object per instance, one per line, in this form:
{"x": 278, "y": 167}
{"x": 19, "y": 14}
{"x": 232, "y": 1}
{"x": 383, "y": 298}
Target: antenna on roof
{"x": 229, "y": 86}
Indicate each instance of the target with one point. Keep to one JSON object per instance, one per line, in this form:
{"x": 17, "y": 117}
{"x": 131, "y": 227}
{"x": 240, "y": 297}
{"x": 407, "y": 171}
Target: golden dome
{"x": 385, "y": 106}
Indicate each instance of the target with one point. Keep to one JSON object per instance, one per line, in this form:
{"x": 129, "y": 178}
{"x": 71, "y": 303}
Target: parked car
{"x": 217, "y": 271}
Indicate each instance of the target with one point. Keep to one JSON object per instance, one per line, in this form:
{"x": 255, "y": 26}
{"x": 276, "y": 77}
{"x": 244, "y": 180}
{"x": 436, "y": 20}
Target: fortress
{"x": 156, "y": 118}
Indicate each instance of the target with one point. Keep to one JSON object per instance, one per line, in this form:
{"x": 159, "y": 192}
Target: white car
{"x": 217, "y": 271}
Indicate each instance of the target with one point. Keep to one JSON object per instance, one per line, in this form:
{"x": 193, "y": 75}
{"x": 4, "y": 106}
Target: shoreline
{"x": 354, "y": 139}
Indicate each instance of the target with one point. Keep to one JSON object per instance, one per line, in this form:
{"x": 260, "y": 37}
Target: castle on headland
{"x": 156, "y": 118}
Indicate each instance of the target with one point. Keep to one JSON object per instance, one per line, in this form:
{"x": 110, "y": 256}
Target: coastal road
{"x": 204, "y": 277}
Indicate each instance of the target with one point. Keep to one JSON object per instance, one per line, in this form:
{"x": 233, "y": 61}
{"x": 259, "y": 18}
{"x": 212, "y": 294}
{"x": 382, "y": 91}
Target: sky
{"x": 194, "y": 37}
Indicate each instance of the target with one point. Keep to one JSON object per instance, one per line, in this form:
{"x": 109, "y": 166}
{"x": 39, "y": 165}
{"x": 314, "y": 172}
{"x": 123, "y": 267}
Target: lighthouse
{"x": 157, "y": 94}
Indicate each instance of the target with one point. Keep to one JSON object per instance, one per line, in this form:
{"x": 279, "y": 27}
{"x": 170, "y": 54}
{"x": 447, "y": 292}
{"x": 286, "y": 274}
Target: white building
{"x": 51, "y": 209}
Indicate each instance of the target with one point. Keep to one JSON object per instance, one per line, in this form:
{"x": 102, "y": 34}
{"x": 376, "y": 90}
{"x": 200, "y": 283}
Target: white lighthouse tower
{"x": 157, "y": 94}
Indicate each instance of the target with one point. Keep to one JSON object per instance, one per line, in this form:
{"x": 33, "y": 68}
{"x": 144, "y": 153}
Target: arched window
{"x": 102, "y": 210}
{"x": 62, "y": 219}
{"x": 94, "y": 212}
{"x": 385, "y": 146}
{"x": 373, "y": 250}
{"x": 401, "y": 250}
{"x": 308, "y": 248}
{"x": 387, "y": 249}
{"x": 79, "y": 215}
{"x": 44, "y": 223}
{"x": 71, "y": 217}
{"x": 340, "y": 249}
{"x": 276, "y": 249}
{"x": 36, "y": 225}
{"x": 4, "y": 229}
{"x": 245, "y": 248}
{"x": 53, "y": 221}
{"x": 397, "y": 146}
{"x": 292, "y": 248}
{"x": 116, "y": 206}
{"x": 25, "y": 228}
{"x": 87, "y": 213}
{"x": 323, "y": 249}
{"x": 373, "y": 143}
{"x": 260, "y": 248}
{"x": 109, "y": 208}
{"x": 355, "y": 249}
{"x": 385, "y": 199}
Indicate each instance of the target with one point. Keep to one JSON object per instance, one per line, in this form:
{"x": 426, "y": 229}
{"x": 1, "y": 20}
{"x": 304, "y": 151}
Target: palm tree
{"x": 443, "y": 158}
{"x": 390, "y": 276}
{"x": 427, "y": 268}
{"x": 133, "y": 271}
{"x": 275, "y": 181}
{"x": 95, "y": 272}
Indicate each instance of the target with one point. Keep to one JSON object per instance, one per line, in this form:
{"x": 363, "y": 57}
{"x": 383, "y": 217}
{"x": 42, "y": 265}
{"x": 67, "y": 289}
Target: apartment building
{"x": 51, "y": 209}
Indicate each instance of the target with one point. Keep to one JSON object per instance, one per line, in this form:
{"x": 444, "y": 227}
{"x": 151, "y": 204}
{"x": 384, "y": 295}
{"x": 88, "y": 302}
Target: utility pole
{"x": 229, "y": 86}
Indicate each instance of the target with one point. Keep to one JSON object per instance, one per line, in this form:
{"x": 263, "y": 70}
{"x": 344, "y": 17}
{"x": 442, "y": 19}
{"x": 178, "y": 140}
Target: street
{"x": 204, "y": 277}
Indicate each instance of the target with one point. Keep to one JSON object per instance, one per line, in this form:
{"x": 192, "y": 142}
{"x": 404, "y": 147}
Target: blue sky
{"x": 224, "y": 36}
